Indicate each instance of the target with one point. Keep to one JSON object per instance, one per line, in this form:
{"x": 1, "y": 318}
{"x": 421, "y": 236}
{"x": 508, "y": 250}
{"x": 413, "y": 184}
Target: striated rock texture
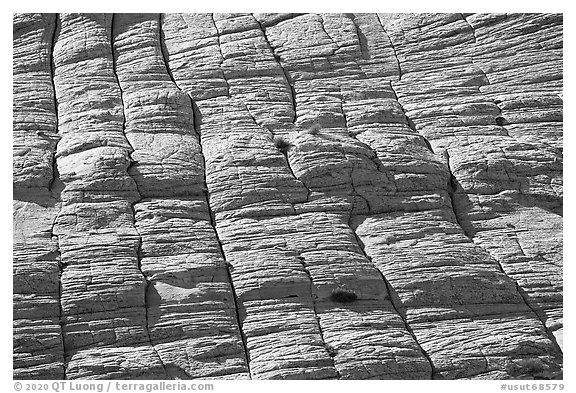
{"x": 287, "y": 196}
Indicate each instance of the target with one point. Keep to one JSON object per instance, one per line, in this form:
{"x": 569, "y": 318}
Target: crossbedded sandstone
{"x": 208, "y": 184}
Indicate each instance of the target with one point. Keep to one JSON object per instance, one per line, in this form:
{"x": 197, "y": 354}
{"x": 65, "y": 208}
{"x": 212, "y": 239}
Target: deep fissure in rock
{"x": 54, "y": 188}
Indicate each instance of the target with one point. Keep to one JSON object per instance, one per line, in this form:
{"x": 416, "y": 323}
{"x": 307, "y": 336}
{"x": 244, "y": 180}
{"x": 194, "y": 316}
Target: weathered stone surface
{"x": 103, "y": 302}
{"x": 190, "y": 307}
{"x": 507, "y": 183}
{"x": 38, "y": 348}
{"x": 445, "y": 284}
{"x": 287, "y": 196}
{"x": 34, "y": 116}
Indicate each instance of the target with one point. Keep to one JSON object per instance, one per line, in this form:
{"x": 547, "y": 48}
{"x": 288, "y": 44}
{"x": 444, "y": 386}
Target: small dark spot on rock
{"x": 500, "y": 121}
{"x": 281, "y": 144}
{"x": 342, "y": 295}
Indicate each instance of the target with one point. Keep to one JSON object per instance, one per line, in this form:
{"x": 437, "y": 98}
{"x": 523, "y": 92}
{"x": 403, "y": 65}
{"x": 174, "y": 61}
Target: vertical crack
{"x": 408, "y": 327}
{"x": 289, "y": 166}
{"x": 374, "y": 159}
{"x": 55, "y": 175}
{"x": 409, "y": 121}
{"x": 292, "y": 101}
{"x": 389, "y": 289}
{"x": 344, "y": 113}
{"x": 221, "y": 55}
{"x": 219, "y": 242}
{"x": 328, "y": 35}
{"x": 473, "y": 32}
{"x": 393, "y": 47}
{"x": 163, "y": 49}
{"x": 326, "y": 346}
{"x": 362, "y": 40}
{"x": 196, "y": 129}
{"x": 285, "y": 154}
{"x": 220, "y": 247}
{"x": 133, "y": 204}
{"x": 452, "y": 189}
{"x": 469, "y": 25}
{"x": 526, "y": 297}
{"x": 62, "y": 318}
{"x": 286, "y": 76}
{"x": 55, "y": 188}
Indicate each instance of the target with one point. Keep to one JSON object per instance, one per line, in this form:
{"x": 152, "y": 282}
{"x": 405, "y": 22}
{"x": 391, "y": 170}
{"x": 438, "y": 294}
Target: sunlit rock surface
{"x": 287, "y": 196}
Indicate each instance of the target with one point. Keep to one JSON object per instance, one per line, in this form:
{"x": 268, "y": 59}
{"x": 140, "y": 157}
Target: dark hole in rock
{"x": 500, "y": 121}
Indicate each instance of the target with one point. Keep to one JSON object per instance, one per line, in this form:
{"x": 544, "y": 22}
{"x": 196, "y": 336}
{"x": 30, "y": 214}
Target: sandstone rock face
{"x": 287, "y": 196}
